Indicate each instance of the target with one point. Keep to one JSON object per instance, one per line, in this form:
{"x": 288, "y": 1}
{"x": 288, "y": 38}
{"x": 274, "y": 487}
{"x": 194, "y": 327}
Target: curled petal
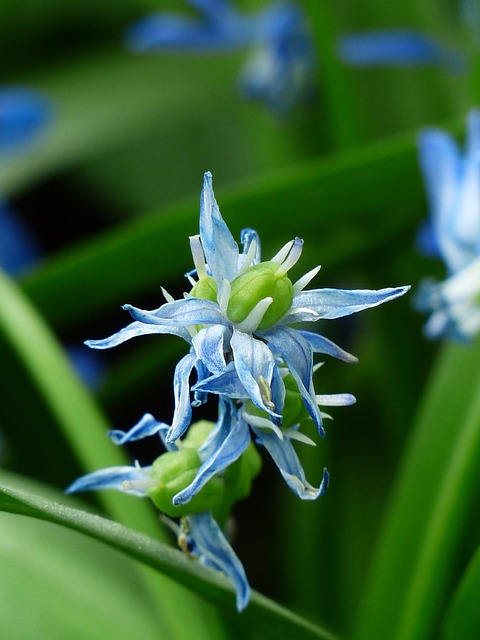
{"x": 132, "y": 480}
{"x": 219, "y": 246}
{"x": 213, "y": 550}
{"x": 254, "y": 363}
{"x": 135, "y": 329}
{"x": 145, "y": 428}
{"x": 228, "y": 444}
{"x": 181, "y": 390}
{"x": 298, "y": 354}
{"x": 226, "y": 384}
{"x": 181, "y": 313}
{"x": 209, "y": 344}
{"x": 287, "y": 461}
{"x": 335, "y": 303}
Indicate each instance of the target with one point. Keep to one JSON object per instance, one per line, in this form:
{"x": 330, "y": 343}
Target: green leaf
{"x": 462, "y": 619}
{"x": 428, "y": 514}
{"x": 262, "y": 614}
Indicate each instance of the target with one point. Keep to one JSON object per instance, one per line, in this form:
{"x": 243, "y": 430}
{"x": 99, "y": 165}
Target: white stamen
{"x": 317, "y": 366}
{"x": 265, "y": 392}
{"x": 304, "y": 280}
{"x": 198, "y": 256}
{"x": 263, "y": 423}
{"x": 326, "y": 416}
{"x": 191, "y": 280}
{"x": 291, "y": 259}
{"x": 167, "y": 296}
{"x": 254, "y": 318}
{"x": 336, "y": 400}
{"x": 283, "y": 253}
{"x": 249, "y": 258}
{"x": 293, "y": 434}
{"x": 224, "y": 296}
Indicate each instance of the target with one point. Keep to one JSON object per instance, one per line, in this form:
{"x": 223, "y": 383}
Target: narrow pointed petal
{"x": 320, "y": 344}
{"x": 229, "y": 443}
{"x": 181, "y": 313}
{"x": 135, "y": 329}
{"x": 253, "y": 362}
{"x": 397, "y": 48}
{"x": 209, "y": 345}
{"x": 219, "y": 246}
{"x": 287, "y": 461}
{"x": 181, "y": 389}
{"x": 336, "y": 399}
{"x": 226, "y": 384}
{"x": 212, "y": 548}
{"x": 335, "y": 303}
{"x": 132, "y": 480}
{"x": 298, "y": 354}
{"x": 145, "y": 428}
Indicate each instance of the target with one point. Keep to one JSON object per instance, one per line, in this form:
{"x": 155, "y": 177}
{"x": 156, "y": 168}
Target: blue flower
{"x": 281, "y": 67}
{"x": 401, "y": 48}
{"x": 23, "y": 115}
{"x": 198, "y": 533}
{"x": 453, "y": 188}
{"x": 237, "y": 320}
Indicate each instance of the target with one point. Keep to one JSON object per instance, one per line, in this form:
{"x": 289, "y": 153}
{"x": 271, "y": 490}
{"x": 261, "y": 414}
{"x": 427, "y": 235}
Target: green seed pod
{"x": 257, "y": 283}
{"x": 205, "y": 289}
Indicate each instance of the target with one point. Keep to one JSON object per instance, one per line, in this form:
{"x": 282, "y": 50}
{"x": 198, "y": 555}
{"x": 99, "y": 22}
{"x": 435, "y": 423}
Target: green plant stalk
{"x": 431, "y": 506}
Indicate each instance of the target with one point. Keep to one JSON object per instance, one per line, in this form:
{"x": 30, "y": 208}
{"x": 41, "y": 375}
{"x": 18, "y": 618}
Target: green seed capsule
{"x": 257, "y": 283}
{"x": 205, "y": 289}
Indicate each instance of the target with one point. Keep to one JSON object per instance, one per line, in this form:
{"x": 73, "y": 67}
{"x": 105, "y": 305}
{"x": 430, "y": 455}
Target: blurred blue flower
{"x": 452, "y": 180}
{"x": 23, "y": 115}
{"x": 198, "y": 533}
{"x": 400, "y": 48}
{"x": 281, "y": 68}
{"x": 237, "y": 319}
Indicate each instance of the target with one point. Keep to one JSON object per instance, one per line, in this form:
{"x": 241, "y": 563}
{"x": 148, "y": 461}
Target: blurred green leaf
{"x": 262, "y": 614}
{"x": 428, "y": 514}
{"x": 462, "y": 619}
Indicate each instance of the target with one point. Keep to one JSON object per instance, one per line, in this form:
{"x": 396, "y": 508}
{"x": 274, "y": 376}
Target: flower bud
{"x": 257, "y": 283}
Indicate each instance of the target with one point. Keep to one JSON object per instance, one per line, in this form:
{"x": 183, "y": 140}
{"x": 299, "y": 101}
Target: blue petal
{"x": 253, "y": 361}
{"x": 181, "y": 389}
{"x": 180, "y": 313}
{"x": 23, "y": 114}
{"x": 209, "y": 344}
{"x": 200, "y": 397}
{"x": 320, "y": 344}
{"x": 18, "y": 247}
{"x": 145, "y": 428}
{"x": 135, "y": 329}
{"x": 118, "y": 478}
{"x": 227, "y": 384}
{"x": 212, "y": 548}
{"x": 226, "y": 443}
{"x": 221, "y": 250}
{"x": 287, "y": 461}
{"x": 247, "y": 236}
{"x": 441, "y": 165}
{"x": 172, "y": 32}
{"x": 335, "y": 303}
{"x": 396, "y": 48}
{"x": 298, "y": 354}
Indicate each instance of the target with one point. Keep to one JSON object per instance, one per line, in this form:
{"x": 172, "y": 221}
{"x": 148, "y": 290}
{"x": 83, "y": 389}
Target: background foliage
{"x": 110, "y": 192}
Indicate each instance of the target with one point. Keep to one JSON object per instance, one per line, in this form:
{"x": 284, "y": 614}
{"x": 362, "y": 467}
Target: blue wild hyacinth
{"x": 452, "y": 180}
{"x": 236, "y": 319}
{"x": 280, "y": 70}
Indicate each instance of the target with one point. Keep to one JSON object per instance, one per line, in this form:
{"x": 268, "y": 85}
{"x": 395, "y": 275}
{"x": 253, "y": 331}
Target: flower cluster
{"x": 281, "y": 65}
{"x": 453, "y": 232}
{"x": 237, "y": 321}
